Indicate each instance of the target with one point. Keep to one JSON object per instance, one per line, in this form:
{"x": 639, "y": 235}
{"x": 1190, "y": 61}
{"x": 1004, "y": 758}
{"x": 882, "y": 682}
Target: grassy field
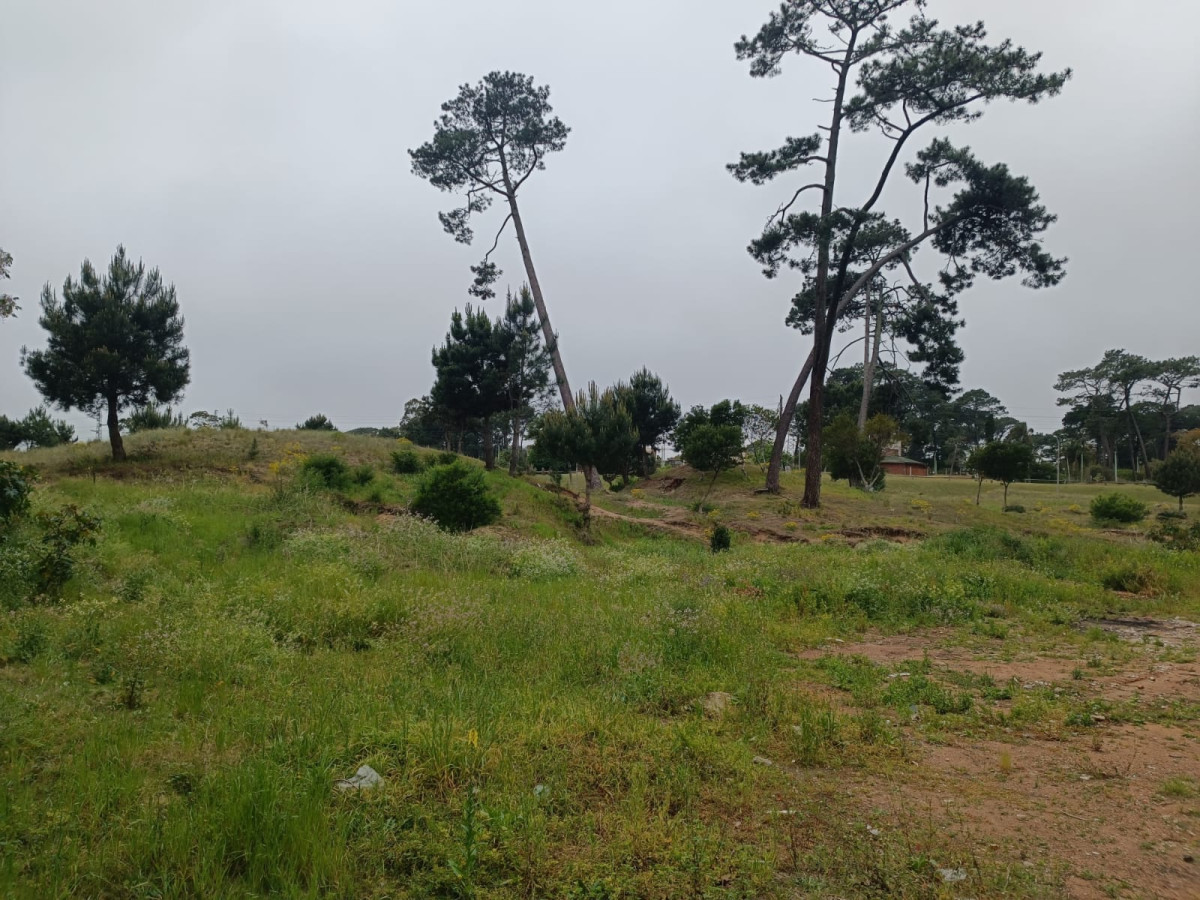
{"x": 902, "y": 695}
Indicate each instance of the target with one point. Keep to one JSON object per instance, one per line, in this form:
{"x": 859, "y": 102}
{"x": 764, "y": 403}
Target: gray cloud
{"x": 256, "y": 153}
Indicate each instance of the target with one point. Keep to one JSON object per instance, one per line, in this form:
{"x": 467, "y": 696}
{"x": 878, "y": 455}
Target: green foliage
{"x": 407, "y": 462}
{"x": 1118, "y": 507}
{"x": 597, "y": 432}
{"x": 62, "y": 531}
{"x": 857, "y": 456}
{"x": 153, "y": 418}
{"x": 653, "y": 412}
{"x": 114, "y": 341}
{"x": 1132, "y": 578}
{"x": 1179, "y": 474}
{"x": 37, "y": 429}
{"x": 362, "y": 475}
{"x": 1003, "y": 461}
{"x": 720, "y": 539}
{"x": 456, "y": 496}
{"x": 711, "y": 440}
{"x": 325, "y": 470}
{"x": 319, "y": 422}
{"x": 447, "y": 458}
{"x": 14, "y": 490}
{"x": 489, "y": 139}
{"x": 32, "y": 641}
{"x": 1177, "y": 536}
{"x": 8, "y": 303}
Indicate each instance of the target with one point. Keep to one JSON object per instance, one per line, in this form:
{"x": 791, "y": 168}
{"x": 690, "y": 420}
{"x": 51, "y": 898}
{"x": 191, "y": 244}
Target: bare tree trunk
{"x": 871, "y": 359}
{"x": 813, "y": 447}
{"x": 489, "y": 448}
{"x": 535, "y": 287}
{"x": 979, "y": 490}
{"x": 114, "y": 431}
{"x": 785, "y": 423}
{"x": 515, "y": 455}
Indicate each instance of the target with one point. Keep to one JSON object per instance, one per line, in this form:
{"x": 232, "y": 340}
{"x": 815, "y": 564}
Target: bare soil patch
{"x": 1117, "y": 807}
{"x": 1101, "y": 813}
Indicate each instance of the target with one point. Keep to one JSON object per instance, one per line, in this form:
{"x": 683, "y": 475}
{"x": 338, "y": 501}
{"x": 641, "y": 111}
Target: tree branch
{"x": 496, "y": 243}
{"x": 782, "y": 211}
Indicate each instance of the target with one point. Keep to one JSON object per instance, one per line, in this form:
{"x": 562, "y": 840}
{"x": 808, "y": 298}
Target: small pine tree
{"x": 1179, "y": 474}
{"x": 319, "y": 422}
{"x": 456, "y": 496}
{"x": 115, "y": 340}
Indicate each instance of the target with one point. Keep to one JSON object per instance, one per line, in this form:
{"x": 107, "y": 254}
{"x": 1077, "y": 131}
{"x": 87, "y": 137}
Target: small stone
{"x": 762, "y": 761}
{"x": 364, "y": 779}
{"x": 873, "y": 831}
{"x": 1188, "y": 858}
{"x": 1085, "y": 777}
{"x": 951, "y": 876}
{"x": 716, "y": 703}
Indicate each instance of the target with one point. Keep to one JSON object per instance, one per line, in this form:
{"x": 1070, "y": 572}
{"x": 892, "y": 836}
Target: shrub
{"x": 1133, "y": 578}
{"x": 325, "y": 470}
{"x": 319, "y": 422}
{"x": 62, "y": 532}
{"x": 1177, "y": 536}
{"x": 363, "y": 474}
{"x": 1015, "y": 508}
{"x": 456, "y": 496}
{"x": 31, "y": 642}
{"x": 720, "y": 539}
{"x": 447, "y": 457}
{"x": 407, "y": 462}
{"x": 14, "y": 490}
{"x": 1117, "y": 507}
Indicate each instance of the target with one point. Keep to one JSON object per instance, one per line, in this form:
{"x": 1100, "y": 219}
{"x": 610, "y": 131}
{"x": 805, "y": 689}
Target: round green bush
{"x": 446, "y": 457}
{"x": 456, "y": 496}
{"x": 407, "y": 462}
{"x": 363, "y": 474}
{"x": 1116, "y": 507}
{"x": 325, "y": 470}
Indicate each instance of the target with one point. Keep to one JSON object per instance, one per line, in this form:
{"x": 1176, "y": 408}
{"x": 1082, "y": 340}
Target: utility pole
{"x": 1057, "y": 463}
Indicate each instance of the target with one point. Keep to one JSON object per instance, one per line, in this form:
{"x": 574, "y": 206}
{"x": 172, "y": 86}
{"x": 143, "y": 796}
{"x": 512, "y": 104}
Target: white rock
{"x": 364, "y": 779}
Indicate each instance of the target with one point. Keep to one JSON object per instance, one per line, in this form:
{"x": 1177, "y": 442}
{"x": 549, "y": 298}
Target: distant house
{"x": 896, "y": 463}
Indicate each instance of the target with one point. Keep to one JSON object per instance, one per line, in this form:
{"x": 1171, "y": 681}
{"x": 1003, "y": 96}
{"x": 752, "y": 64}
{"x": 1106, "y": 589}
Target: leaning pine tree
{"x": 115, "y": 341}
{"x": 895, "y": 82}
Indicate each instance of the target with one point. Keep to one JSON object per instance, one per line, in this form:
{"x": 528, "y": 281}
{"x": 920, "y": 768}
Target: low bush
{"x": 362, "y": 475}
{"x": 1175, "y": 535}
{"x": 720, "y": 539}
{"x": 447, "y": 457}
{"x": 456, "y": 496}
{"x": 407, "y": 462}
{"x": 325, "y": 470}
{"x": 62, "y": 531}
{"x": 1132, "y": 578}
{"x": 1116, "y": 507}
{"x": 14, "y": 490}
{"x": 1016, "y": 508}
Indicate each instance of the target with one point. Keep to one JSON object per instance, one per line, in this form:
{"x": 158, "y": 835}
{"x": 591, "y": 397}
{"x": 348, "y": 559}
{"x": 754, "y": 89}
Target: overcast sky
{"x": 256, "y": 152}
